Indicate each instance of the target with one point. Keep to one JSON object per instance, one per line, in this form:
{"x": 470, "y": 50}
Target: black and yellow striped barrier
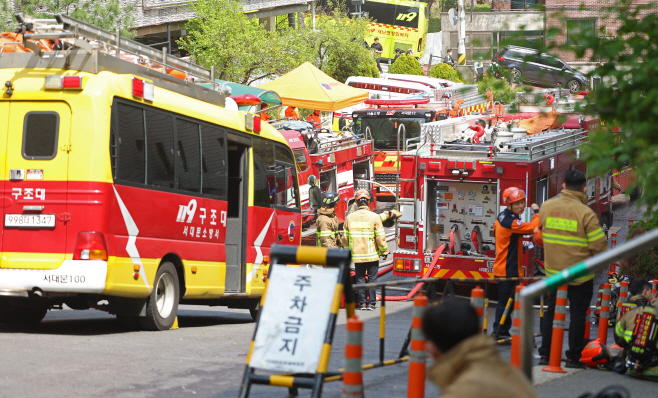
{"x": 291, "y": 255}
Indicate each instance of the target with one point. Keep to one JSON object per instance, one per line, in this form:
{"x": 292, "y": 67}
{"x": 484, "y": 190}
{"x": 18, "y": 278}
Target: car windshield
{"x": 385, "y": 130}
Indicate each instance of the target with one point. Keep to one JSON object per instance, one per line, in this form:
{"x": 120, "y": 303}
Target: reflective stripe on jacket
{"x": 626, "y": 324}
{"x": 327, "y": 229}
{"x": 364, "y": 233}
{"x": 509, "y": 231}
{"x": 571, "y": 233}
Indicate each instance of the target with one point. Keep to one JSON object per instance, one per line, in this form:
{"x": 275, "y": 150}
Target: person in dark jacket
{"x": 448, "y": 58}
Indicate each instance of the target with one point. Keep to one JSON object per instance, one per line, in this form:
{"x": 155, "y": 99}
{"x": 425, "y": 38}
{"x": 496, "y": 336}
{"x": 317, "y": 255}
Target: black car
{"x": 531, "y": 66}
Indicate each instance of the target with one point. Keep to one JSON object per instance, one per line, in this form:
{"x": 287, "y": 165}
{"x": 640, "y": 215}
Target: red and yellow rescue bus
{"x": 124, "y": 184}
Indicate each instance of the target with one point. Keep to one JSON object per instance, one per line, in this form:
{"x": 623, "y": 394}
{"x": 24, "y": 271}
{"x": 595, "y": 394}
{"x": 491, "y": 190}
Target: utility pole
{"x": 461, "y": 47}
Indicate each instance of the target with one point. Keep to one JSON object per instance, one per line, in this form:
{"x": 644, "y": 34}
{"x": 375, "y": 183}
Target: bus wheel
{"x": 162, "y": 303}
{"x": 26, "y": 316}
{"x": 255, "y": 311}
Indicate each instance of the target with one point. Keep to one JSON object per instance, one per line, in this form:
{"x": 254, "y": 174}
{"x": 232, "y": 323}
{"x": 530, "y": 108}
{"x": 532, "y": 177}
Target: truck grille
{"x": 385, "y": 178}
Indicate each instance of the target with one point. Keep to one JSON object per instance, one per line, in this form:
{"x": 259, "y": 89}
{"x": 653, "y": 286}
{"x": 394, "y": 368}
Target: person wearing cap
{"x": 365, "y": 236}
{"x": 327, "y": 223}
{"x": 571, "y": 234}
{"x": 509, "y": 231}
{"x": 466, "y": 362}
{"x": 292, "y": 113}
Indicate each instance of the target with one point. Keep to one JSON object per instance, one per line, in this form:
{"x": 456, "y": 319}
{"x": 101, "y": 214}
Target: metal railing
{"x": 599, "y": 262}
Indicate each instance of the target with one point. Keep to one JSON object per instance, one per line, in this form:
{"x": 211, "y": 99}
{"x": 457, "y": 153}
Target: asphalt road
{"x": 87, "y": 354}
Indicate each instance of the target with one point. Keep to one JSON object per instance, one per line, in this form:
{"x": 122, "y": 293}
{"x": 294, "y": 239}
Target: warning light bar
{"x": 382, "y": 87}
{"x": 246, "y": 99}
{"x": 411, "y": 101}
{"x": 452, "y": 164}
{"x": 63, "y": 82}
{"x": 143, "y": 89}
{"x": 252, "y": 122}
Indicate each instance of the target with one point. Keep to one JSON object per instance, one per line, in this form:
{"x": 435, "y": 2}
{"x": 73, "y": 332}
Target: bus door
{"x": 237, "y": 220}
{"x": 4, "y": 122}
{"x": 35, "y": 194}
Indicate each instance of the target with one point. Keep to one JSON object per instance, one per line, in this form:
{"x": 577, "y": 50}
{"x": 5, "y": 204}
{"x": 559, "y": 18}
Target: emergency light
{"x": 58, "y": 82}
{"x": 143, "y": 89}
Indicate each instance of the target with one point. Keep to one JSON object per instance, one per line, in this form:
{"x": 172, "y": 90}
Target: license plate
{"x": 30, "y": 220}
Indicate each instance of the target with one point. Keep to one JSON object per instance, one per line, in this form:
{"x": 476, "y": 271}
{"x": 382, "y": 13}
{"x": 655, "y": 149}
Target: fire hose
{"x": 427, "y": 274}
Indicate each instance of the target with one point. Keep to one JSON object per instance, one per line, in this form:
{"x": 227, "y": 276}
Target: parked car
{"x": 530, "y": 66}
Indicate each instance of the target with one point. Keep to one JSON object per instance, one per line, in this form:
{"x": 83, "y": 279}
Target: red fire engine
{"x": 450, "y": 190}
{"x": 339, "y": 162}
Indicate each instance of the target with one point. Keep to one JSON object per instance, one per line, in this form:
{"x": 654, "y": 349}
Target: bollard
{"x": 558, "y": 332}
{"x": 353, "y": 376}
{"x": 613, "y": 238}
{"x": 630, "y": 223}
{"x": 588, "y": 323}
{"x": 515, "y": 359}
{"x": 654, "y": 288}
{"x": 417, "y": 354}
{"x": 603, "y": 317}
{"x": 477, "y": 302}
{"x": 623, "y": 293}
{"x": 486, "y": 316}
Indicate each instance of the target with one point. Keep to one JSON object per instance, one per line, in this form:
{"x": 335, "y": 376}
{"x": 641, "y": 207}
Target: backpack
{"x": 642, "y": 353}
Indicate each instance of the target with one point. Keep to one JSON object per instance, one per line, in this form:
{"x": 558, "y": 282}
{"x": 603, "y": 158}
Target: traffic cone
{"x": 558, "y": 332}
{"x": 623, "y": 299}
{"x": 515, "y": 359}
{"x": 477, "y": 302}
{"x": 654, "y": 288}
{"x": 353, "y": 376}
{"x": 605, "y": 313}
{"x": 417, "y": 354}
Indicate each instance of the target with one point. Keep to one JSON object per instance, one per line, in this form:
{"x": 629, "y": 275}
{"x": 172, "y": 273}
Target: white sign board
{"x": 294, "y": 319}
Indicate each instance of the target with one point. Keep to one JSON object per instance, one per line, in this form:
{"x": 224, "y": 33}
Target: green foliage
{"x": 501, "y": 89}
{"x": 108, "y": 14}
{"x": 406, "y": 65}
{"x": 336, "y": 45}
{"x": 445, "y": 71}
{"x": 642, "y": 265}
{"x": 482, "y": 7}
{"x": 241, "y": 49}
{"x": 631, "y": 59}
{"x": 434, "y": 25}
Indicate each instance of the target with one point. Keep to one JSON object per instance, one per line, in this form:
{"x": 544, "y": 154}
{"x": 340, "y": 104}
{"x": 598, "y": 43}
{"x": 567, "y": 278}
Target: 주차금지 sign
{"x": 294, "y": 319}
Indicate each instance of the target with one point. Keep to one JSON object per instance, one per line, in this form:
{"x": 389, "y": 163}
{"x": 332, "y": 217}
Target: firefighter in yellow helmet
{"x": 364, "y": 233}
{"x": 327, "y": 223}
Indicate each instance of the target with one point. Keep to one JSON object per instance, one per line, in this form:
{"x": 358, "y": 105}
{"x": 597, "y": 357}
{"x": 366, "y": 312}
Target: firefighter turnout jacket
{"x": 626, "y": 323}
{"x": 473, "y": 369}
{"x": 509, "y": 231}
{"x": 364, "y": 233}
{"x": 327, "y": 229}
{"x": 571, "y": 233}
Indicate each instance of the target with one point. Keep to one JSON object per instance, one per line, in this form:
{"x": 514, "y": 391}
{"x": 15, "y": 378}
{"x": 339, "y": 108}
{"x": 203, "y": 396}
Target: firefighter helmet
{"x": 329, "y": 199}
{"x": 361, "y": 196}
{"x": 312, "y": 180}
{"x": 511, "y": 195}
{"x": 595, "y": 353}
{"x": 537, "y": 237}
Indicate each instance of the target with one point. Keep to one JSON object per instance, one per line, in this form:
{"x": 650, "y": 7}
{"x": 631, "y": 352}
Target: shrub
{"x": 501, "y": 89}
{"x": 445, "y": 71}
{"x": 644, "y": 264}
{"x": 406, "y": 65}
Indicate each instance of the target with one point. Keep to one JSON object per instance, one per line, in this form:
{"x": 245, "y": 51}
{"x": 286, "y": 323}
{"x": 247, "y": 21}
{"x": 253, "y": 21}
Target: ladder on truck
{"x": 109, "y": 51}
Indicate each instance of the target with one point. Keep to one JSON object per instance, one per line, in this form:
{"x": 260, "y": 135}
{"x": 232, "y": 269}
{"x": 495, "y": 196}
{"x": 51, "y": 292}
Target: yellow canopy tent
{"x": 309, "y": 87}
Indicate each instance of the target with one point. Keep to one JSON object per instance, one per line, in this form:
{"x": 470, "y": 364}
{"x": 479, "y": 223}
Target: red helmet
{"x": 511, "y": 195}
{"x": 537, "y": 237}
{"x": 595, "y": 353}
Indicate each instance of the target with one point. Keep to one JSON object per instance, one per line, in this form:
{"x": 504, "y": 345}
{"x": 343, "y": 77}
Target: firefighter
{"x": 640, "y": 297}
{"x": 571, "y": 234}
{"x": 263, "y": 115}
{"x": 314, "y": 118}
{"x": 327, "y": 222}
{"x": 467, "y": 363}
{"x": 509, "y": 231}
{"x": 365, "y": 236}
{"x": 292, "y": 113}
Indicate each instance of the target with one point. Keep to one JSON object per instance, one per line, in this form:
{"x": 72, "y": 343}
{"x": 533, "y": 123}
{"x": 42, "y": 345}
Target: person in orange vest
{"x": 509, "y": 231}
{"x": 292, "y": 113}
{"x": 263, "y": 115}
{"x": 314, "y": 118}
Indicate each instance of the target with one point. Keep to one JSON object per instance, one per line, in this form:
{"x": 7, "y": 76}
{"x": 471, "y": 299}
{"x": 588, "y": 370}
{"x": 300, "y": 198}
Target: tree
{"x": 406, "y": 65}
{"x": 108, "y": 14}
{"x": 239, "y": 47}
{"x": 338, "y": 48}
{"x": 444, "y": 71}
{"x": 502, "y": 91}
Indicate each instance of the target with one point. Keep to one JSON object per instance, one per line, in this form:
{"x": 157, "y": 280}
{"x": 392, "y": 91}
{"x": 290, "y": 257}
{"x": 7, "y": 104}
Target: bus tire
{"x": 162, "y": 303}
{"x": 26, "y": 316}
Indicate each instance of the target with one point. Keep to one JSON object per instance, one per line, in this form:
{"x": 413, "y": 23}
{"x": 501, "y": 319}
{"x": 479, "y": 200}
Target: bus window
{"x": 213, "y": 147}
{"x": 283, "y": 155}
{"x": 160, "y": 147}
{"x": 131, "y": 159}
{"x": 263, "y": 168}
{"x": 40, "y": 135}
{"x": 300, "y": 159}
{"x": 385, "y": 130}
{"x": 188, "y": 156}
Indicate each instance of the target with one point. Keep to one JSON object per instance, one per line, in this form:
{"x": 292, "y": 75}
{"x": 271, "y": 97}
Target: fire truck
{"x": 450, "y": 191}
{"x": 396, "y": 122}
{"x": 340, "y": 162}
